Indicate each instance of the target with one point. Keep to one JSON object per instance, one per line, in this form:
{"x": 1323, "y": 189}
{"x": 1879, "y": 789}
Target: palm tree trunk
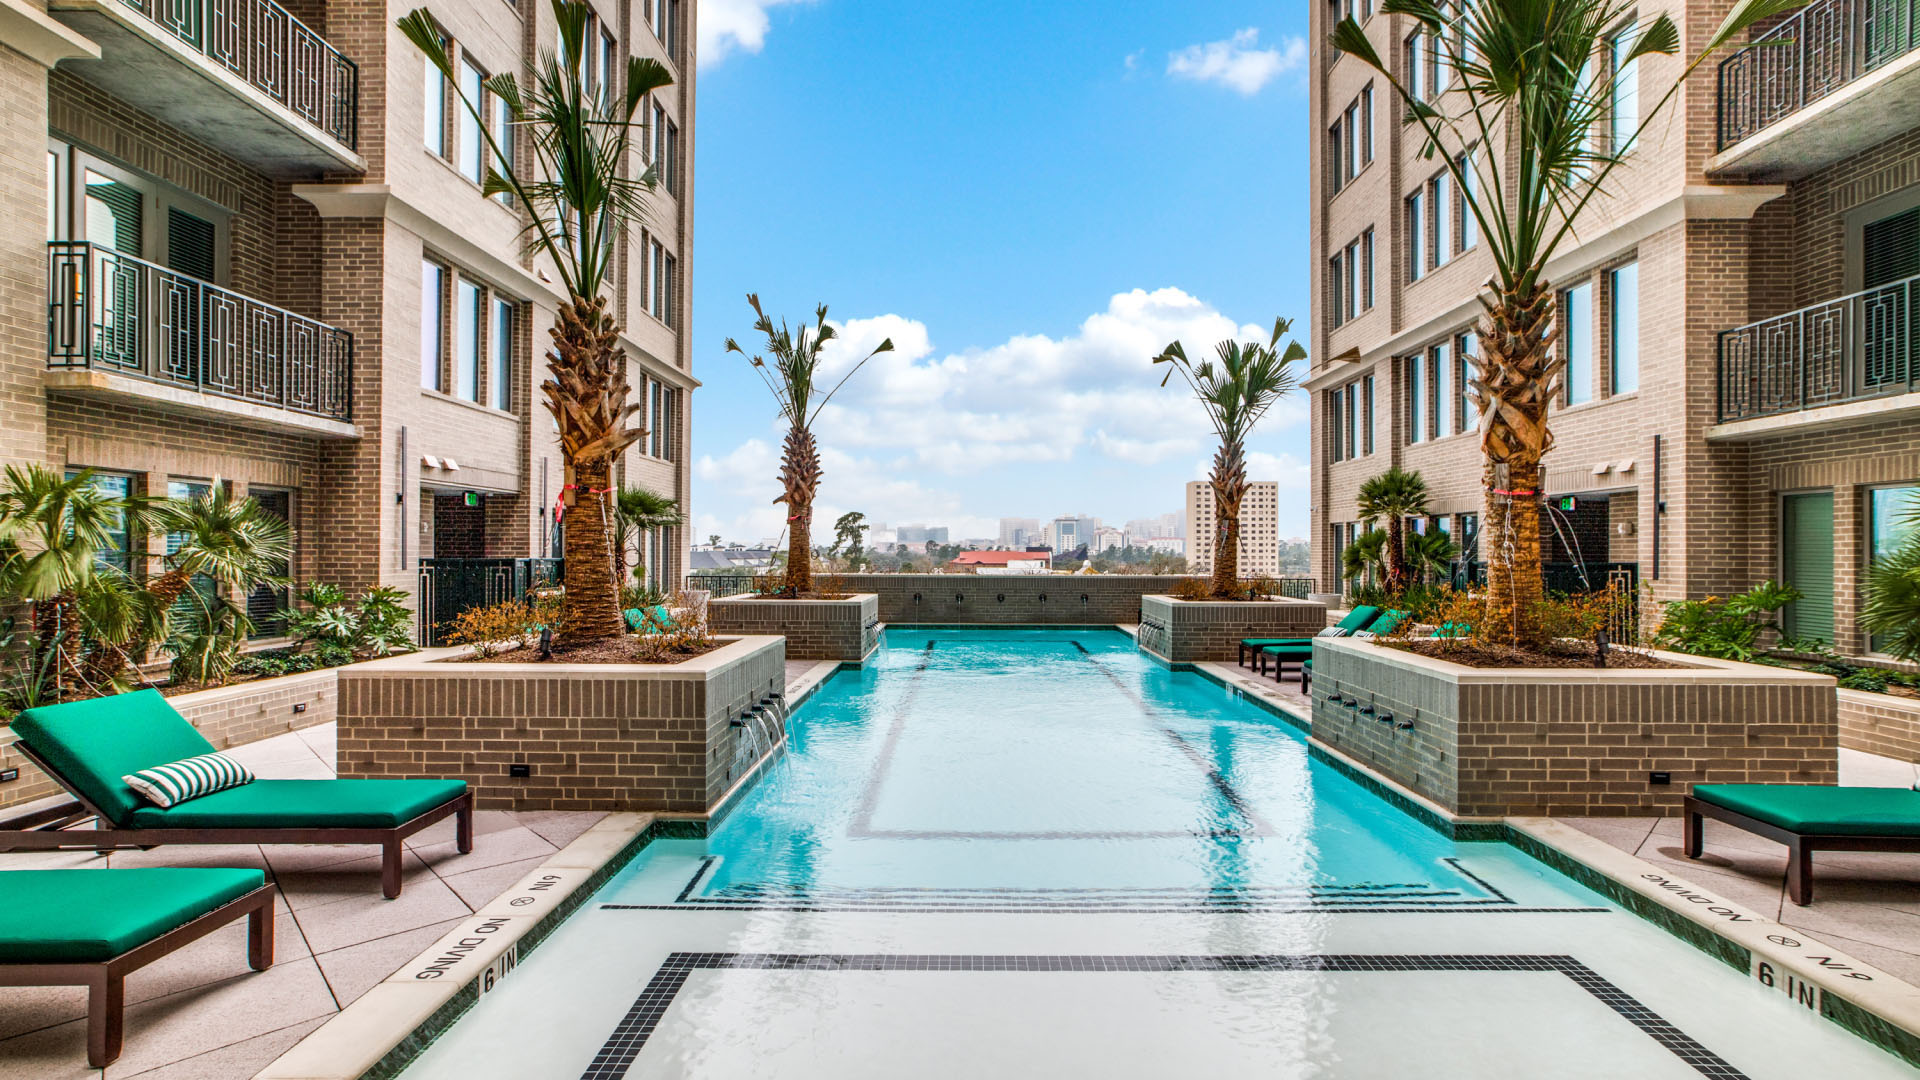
{"x": 799, "y": 480}
{"x": 55, "y": 627}
{"x": 1517, "y": 381}
{"x": 590, "y": 402}
{"x": 593, "y": 593}
{"x": 1396, "y": 554}
{"x": 169, "y": 587}
{"x": 1229, "y": 483}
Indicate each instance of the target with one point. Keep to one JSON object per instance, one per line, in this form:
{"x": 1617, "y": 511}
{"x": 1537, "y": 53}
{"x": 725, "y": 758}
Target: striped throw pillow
{"x": 168, "y": 785}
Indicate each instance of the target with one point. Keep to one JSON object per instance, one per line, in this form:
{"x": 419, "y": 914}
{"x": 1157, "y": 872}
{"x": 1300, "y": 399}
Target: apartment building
{"x": 1737, "y": 318}
{"x": 1259, "y": 528}
{"x": 249, "y": 244}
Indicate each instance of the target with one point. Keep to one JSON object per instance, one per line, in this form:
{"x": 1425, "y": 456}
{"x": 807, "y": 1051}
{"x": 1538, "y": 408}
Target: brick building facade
{"x": 1737, "y": 319}
{"x": 257, "y": 250}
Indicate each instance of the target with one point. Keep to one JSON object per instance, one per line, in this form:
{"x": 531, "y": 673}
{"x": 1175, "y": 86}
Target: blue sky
{"x": 1031, "y": 199}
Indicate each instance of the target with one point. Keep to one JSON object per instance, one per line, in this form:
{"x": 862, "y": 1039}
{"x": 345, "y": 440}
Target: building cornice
{"x": 1701, "y": 202}
{"x": 379, "y": 201}
{"x": 30, "y": 31}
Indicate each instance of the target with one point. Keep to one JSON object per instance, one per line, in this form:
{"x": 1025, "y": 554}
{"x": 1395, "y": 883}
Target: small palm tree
{"x": 789, "y": 369}
{"x": 1395, "y": 496}
{"x": 637, "y": 513}
{"x": 1516, "y": 132}
{"x": 579, "y": 199}
{"x": 234, "y": 542}
{"x": 1430, "y": 553}
{"x": 1366, "y": 557}
{"x": 1892, "y": 611}
{"x": 1236, "y": 391}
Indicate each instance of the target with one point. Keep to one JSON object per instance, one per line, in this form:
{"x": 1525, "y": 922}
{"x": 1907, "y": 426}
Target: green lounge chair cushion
{"x": 1811, "y": 809}
{"x": 85, "y": 916}
{"x": 649, "y": 620}
{"x": 93, "y": 743}
{"x": 1387, "y": 623}
{"x": 305, "y": 804}
{"x": 1360, "y": 618}
{"x": 1294, "y": 650}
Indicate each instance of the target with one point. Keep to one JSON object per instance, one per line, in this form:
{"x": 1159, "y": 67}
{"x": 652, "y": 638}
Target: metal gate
{"x": 451, "y": 586}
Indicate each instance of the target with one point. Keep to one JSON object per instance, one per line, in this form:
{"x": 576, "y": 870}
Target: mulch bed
{"x": 621, "y": 651}
{"x": 802, "y": 596}
{"x": 1484, "y": 654}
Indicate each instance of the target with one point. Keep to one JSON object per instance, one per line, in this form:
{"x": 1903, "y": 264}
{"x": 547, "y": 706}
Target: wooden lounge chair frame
{"x": 50, "y": 834}
{"x": 1800, "y": 846}
{"x": 106, "y": 980}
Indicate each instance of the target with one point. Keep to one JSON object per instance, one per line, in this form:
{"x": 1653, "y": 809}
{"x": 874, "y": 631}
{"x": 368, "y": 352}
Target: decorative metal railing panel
{"x": 449, "y": 587}
{"x": 113, "y": 312}
{"x": 1858, "y": 346}
{"x": 1811, "y": 54}
{"x": 262, "y": 43}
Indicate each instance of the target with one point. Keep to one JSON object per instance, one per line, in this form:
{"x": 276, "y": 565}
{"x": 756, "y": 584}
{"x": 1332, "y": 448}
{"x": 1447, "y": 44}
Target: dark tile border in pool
{"x": 630, "y": 1036}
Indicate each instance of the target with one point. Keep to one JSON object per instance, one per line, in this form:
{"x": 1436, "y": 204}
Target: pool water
{"x": 1033, "y": 853}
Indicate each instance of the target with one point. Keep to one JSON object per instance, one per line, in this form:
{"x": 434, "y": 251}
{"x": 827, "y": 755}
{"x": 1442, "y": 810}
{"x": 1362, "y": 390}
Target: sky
{"x": 1031, "y": 200}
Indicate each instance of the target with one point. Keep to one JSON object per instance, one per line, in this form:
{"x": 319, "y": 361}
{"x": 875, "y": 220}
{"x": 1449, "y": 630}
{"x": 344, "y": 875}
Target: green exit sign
{"x": 473, "y": 498}
{"x": 1568, "y": 504}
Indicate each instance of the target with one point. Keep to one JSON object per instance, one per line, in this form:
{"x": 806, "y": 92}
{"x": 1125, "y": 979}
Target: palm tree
{"x": 1429, "y": 552}
{"x": 1516, "y": 132}
{"x": 637, "y": 512}
{"x": 231, "y": 541}
{"x": 1394, "y": 495}
{"x": 579, "y": 198}
{"x": 1366, "y": 557}
{"x": 53, "y": 531}
{"x": 1235, "y": 392}
{"x": 789, "y": 374}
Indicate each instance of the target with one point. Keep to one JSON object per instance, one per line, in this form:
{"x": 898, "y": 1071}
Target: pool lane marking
{"x": 706, "y": 864}
{"x": 862, "y": 824}
{"x": 1213, "y": 774}
{"x": 643, "y": 1018}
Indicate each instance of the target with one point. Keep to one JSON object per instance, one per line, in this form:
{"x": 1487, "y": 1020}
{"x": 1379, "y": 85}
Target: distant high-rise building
{"x": 1107, "y": 538}
{"x": 1066, "y": 534}
{"x": 1259, "y": 528}
{"x": 1017, "y": 533}
{"x": 1154, "y": 528}
{"x": 910, "y": 534}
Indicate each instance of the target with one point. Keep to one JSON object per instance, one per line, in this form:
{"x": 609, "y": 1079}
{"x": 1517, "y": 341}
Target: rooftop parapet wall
{"x": 846, "y": 630}
{"x": 1007, "y": 600}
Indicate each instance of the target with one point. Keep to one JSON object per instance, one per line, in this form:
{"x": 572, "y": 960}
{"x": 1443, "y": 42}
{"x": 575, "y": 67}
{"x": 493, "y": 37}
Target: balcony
{"x": 1835, "y": 78}
{"x": 1832, "y": 363}
{"x": 244, "y": 76}
{"x": 129, "y": 330}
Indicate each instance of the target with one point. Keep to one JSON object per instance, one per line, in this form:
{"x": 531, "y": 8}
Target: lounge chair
{"x": 1301, "y": 650}
{"x": 1359, "y": 618}
{"x": 650, "y": 620}
{"x": 1808, "y": 818}
{"x": 92, "y": 927}
{"x": 88, "y": 746}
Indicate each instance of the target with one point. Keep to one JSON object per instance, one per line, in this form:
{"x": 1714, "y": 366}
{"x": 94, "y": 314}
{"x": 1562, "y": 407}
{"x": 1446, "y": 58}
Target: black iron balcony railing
{"x": 1858, "y": 346}
{"x": 277, "y": 54}
{"x": 1815, "y": 52}
{"x": 112, "y": 312}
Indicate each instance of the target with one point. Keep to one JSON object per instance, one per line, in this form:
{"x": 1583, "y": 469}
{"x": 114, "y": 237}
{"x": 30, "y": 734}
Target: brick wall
{"x": 844, "y": 630}
{"x": 1572, "y": 741}
{"x": 1880, "y": 724}
{"x": 23, "y": 259}
{"x": 228, "y": 716}
{"x": 1184, "y": 631}
{"x": 1012, "y": 600}
{"x": 596, "y": 737}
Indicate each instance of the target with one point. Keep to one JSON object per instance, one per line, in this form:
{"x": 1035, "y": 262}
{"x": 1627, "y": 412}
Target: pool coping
{"x": 379, "y": 1034}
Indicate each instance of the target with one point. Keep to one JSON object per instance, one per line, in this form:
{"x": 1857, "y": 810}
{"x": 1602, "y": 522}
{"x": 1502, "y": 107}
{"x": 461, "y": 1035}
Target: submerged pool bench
{"x": 1808, "y": 818}
{"x": 92, "y": 928}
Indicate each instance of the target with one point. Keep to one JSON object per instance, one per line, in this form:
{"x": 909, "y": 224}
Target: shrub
{"x": 688, "y": 636}
{"x": 1729, "y": 628}
{"x": 1191, "y": 588}
{"x": 1869, "y": 679}
{"x": 207, "y": 643}
{"x": 487, "y": 628}
{"x": 376, "y": 624}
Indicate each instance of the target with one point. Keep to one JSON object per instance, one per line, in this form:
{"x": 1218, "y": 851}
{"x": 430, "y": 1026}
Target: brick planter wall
{"x": 1187, "y": 631}
{"x": 1880, "y": 724}
{"x": 1007, "y": 599}
{"x": 1572, "y": 741}
{"x": 845, "y": 630}
{"x": 228, "y": 716}
{"x": 595, "y": 736}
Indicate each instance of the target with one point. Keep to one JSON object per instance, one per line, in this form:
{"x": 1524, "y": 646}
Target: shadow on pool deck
{"x": 199, "y": 1014}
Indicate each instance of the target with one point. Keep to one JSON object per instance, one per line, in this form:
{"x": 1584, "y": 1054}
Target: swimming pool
{"x": 1037, "y": 852}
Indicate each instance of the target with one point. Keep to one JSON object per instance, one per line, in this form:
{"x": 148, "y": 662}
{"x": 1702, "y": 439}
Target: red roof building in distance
{"x": 999, "y": 558}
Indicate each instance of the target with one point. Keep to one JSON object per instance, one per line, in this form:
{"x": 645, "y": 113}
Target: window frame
{"x": 1416, "y": 212}
{"x": 433, "y": 281}
{"x": 1614, "y": 326}
{"x": 1585, "y": 289}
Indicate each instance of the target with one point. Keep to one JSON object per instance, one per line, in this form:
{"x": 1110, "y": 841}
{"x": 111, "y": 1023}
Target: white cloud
{"x": 955, "y": 438}
{"x": 1238, "y": 62}
{"x": 730, "y": 25}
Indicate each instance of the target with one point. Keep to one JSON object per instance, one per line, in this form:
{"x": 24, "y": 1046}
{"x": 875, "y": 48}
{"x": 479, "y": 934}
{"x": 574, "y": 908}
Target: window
{"x": 1576, "y": 337}
{"x": 1469, "y": 228}
{"x": 435, "y": 120}
{"x": 1366, "y": 406}
{"x": 202, "y": 589}
{"x": 1624, "y": 88}
{"x": 657, "y": 295}
{"x": 503, "y": 135}
{"x": 1892, "y": 513}
{"x": 670, "y": 290}
{"x": 1366, "y": 124}
{"x": 114, "y": 214}
{"x": 1416, "y": 398}
{"x": 669, "y": 407}
{"x": 1336, "y": 171}
{"x": 117, "y": 552}
{"x": 1366, "y": 270}
{"x": 1416, "y": 235}
{"x": 467, "y": 332}
{"x": 659, "y": 134}
{"x": 1441, "y": 194}
{"x": 1336, "y": 280}
{"x": 1417, "y": 68}
{"x": 267, "y": 601}
{"x": 668, "y": 28}
{"x": 1350, "y": 399}
{"x": 1465, "y": 347}
{"x": 609, "y": 69}
{"x": 1351, "y": 145}
{"x": 473, "y": 149}
{"x": 672, "y": 157}
{"x": 1623, "y": 328}
{"x": 1353, "y": 279}
{"x": 655, "y": 434}
{"x": 433, "y": 310}
{"x": 1440, "y": 358}
{"x": 500, "y": 373}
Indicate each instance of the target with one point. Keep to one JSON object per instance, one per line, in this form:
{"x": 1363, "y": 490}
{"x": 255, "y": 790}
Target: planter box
{"x": 592, "y": 736}
{"x": 847, "y": 630}
{"x": 1188, "y": 631}
{"x": 228, "y": 716}
{"x": 1571, "y": 741}
{"x": 1880, "y": 724}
